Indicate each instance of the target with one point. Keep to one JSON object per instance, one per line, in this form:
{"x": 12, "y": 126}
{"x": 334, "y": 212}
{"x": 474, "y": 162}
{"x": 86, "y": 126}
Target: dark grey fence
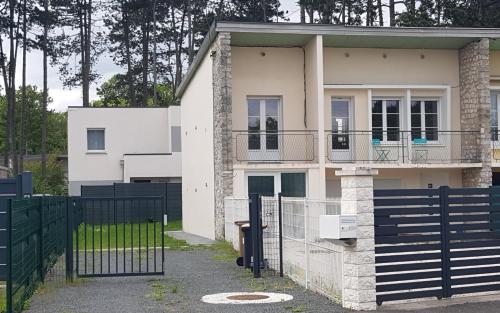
{"x": 171, "y": 192}
{"x": 10, "y": 188}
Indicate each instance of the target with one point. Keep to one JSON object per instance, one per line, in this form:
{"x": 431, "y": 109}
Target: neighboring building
{"x": 108, "y": 145}
{"x": 274, "y": 108}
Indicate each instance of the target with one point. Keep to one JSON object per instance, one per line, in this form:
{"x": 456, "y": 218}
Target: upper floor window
{"x": 386, "y": 121}
{"x": 263, "y": 123}
{"x": 95, "y": 139}
{"x": 424, "y": 120}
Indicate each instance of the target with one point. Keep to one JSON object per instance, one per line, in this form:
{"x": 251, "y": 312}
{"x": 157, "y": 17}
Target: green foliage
{"x": 54, "y": 182}
{"x": 56, "y": 124}
{"x": 114, "y": 93}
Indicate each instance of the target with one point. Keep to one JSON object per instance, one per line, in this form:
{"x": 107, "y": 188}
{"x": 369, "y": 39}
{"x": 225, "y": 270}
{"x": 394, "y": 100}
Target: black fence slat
{"x": 381, "y": 202}
{"x": 408, "y": 257}
{"x": 409, "y": 295}
{"x": 407, "y": 276}
{"x": 407, "y": 248}
{"x": 411, "y": 285}
{"x": 404, "y": 192}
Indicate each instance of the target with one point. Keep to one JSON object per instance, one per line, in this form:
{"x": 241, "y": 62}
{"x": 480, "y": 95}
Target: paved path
{"x": 189, "y": 276}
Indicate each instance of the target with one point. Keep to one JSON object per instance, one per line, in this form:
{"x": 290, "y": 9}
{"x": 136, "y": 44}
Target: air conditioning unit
{"x": 337, "y": 227}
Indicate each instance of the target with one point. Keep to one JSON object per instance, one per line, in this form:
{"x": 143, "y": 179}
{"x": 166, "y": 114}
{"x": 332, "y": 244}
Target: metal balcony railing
{"x": 416, "y": 147}
{"x": 495, "y": 144}
{"x": 272, "y": 146}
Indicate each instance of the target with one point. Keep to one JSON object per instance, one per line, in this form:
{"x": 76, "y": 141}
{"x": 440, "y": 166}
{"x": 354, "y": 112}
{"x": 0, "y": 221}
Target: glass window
{"x": 263, "y": 123}
{"x": 95, "y": 139}
{"x": 424, "y": 119}
{"x": 386, "y": 120}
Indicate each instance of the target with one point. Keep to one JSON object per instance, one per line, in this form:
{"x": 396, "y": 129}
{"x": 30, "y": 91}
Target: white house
{"x": 109, "y": 145}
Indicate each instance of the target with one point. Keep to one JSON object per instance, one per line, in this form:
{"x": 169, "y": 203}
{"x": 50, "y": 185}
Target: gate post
{"x": 358, "y": 271}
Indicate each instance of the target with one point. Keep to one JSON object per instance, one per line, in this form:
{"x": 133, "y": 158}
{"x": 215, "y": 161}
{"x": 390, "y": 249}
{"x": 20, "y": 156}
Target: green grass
{"x": 128, "y": 236}
{"x": 3, "y": 300}
{"x": 223, "y": 251}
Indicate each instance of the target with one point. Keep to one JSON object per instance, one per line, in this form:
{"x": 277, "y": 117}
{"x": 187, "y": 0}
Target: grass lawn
{"x": 128, "y": 236}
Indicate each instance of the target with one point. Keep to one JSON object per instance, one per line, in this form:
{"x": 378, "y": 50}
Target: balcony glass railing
{"x": 275, "y": 146}
{"x": 431, "y": 146}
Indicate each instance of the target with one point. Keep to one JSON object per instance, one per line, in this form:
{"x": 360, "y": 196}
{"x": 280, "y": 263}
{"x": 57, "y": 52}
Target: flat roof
{"x": 340, "y": 36}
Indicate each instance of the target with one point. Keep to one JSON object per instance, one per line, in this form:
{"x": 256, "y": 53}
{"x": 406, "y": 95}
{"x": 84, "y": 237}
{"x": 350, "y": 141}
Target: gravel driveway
{"x": 189, "y": 276}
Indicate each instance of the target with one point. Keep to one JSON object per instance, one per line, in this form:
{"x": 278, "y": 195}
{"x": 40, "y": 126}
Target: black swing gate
{"x": 436, "y": 242}
{"x": 118, "y": 236}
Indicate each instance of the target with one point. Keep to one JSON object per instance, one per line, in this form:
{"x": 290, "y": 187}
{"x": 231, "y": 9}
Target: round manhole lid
{"x": 250, "y": 297}
{"x": 246, "y": 298}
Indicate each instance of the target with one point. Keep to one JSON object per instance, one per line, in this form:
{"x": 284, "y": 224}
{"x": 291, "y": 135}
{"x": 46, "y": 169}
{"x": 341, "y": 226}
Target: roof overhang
{"x": 293, "y": 35}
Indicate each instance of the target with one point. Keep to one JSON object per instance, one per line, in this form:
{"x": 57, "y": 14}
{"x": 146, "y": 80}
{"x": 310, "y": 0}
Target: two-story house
{"x": 109, "y": 145}
{"x": 269, "y": 108}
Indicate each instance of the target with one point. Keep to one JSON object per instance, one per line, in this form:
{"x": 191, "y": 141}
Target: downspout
{"x": 305, "y": 87}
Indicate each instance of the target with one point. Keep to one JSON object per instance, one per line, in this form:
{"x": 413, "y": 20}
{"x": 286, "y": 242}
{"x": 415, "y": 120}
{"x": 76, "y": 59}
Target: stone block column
{"x": 223, "y": 126}
{"x": 358, "y": 273}
{"x": 475, "y": 110}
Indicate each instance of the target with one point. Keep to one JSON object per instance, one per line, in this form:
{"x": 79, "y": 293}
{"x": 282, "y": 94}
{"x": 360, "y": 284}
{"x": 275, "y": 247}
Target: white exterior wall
{"x": 127, "y": 131}
{"x": 198, "y": 197}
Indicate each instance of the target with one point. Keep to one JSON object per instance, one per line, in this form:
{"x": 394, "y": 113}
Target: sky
{"x": 64, "y": 97}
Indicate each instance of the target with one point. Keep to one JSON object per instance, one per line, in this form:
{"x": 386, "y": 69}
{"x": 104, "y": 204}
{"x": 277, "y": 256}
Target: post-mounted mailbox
{"x": 337, "y": 227}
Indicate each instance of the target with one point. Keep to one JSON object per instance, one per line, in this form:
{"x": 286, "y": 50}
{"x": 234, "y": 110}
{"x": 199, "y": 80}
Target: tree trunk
{"x": 87, "y": 59}
{"x": 369, "y": 13}
{"x": 11, "y": 98}
{"x": 45, "y": 94}
{"x": 145, "y": 53}
{"x": 380, "y": 13}
{"x": 264, "y": 11}
{"x": 392, "y": 13}
{"x": 126, "y": 32}
{"x": 302, "y": 12}
{"x": 23, "y": 95}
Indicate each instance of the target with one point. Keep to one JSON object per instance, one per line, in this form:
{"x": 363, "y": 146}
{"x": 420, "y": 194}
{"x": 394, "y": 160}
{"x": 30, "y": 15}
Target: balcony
{"x": 403, "y": 147}
{"x": 275, "y": 147}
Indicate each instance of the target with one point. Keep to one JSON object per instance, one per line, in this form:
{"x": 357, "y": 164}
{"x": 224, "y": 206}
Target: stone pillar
{"x": 223, "y": 163}
{"x": 358, "y": 273}
{"x": 475, "y": 110}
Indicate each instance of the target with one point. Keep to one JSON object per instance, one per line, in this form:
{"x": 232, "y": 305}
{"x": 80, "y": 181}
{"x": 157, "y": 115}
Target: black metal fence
{"x": 403, "y": 147}
{"x": 172, "y": 192}
{"x": 37, "y": 232}
{"x": 436, "y": 242}
{"x": 277, "y": 146}
{"x": 121, "y": 236}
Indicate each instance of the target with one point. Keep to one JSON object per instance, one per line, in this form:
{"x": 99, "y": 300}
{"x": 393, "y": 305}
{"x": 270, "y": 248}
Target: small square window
{"x": 95, "y": 139}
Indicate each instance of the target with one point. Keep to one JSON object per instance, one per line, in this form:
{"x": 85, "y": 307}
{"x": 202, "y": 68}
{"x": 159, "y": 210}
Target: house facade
{"x": 112, "y": 145}
{"x": 270, "y": 108}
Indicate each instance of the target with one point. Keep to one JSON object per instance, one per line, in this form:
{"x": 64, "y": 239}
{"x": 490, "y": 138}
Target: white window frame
{"x": 274, "y": 153}
{"x": 384, "y": 117}
{"x": 104, "y": 138}
{"x": 422, "y": 117}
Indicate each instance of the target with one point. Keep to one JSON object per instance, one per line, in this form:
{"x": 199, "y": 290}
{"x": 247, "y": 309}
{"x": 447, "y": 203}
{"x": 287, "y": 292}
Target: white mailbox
{"x": 337, "y": 226}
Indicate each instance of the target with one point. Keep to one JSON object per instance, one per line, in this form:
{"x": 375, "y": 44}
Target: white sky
{"x": 64, "y": 97}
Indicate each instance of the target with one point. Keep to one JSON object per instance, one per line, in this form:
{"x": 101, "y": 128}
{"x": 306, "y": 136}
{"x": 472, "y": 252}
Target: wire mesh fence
{"x": 314, "y": 263}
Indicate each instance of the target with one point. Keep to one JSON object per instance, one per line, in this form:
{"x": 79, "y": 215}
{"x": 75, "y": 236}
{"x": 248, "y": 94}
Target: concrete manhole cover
{"x": 246, "y": 298}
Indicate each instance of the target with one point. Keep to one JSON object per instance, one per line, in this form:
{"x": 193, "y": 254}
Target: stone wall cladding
{"x": 222, "y": 88}
{"x": 359, "y": 283}
{"x": 475, "y": 110}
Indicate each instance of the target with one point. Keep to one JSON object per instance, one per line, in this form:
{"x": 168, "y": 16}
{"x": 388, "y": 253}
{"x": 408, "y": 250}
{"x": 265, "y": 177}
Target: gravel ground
{"x": 189, "y": 276}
